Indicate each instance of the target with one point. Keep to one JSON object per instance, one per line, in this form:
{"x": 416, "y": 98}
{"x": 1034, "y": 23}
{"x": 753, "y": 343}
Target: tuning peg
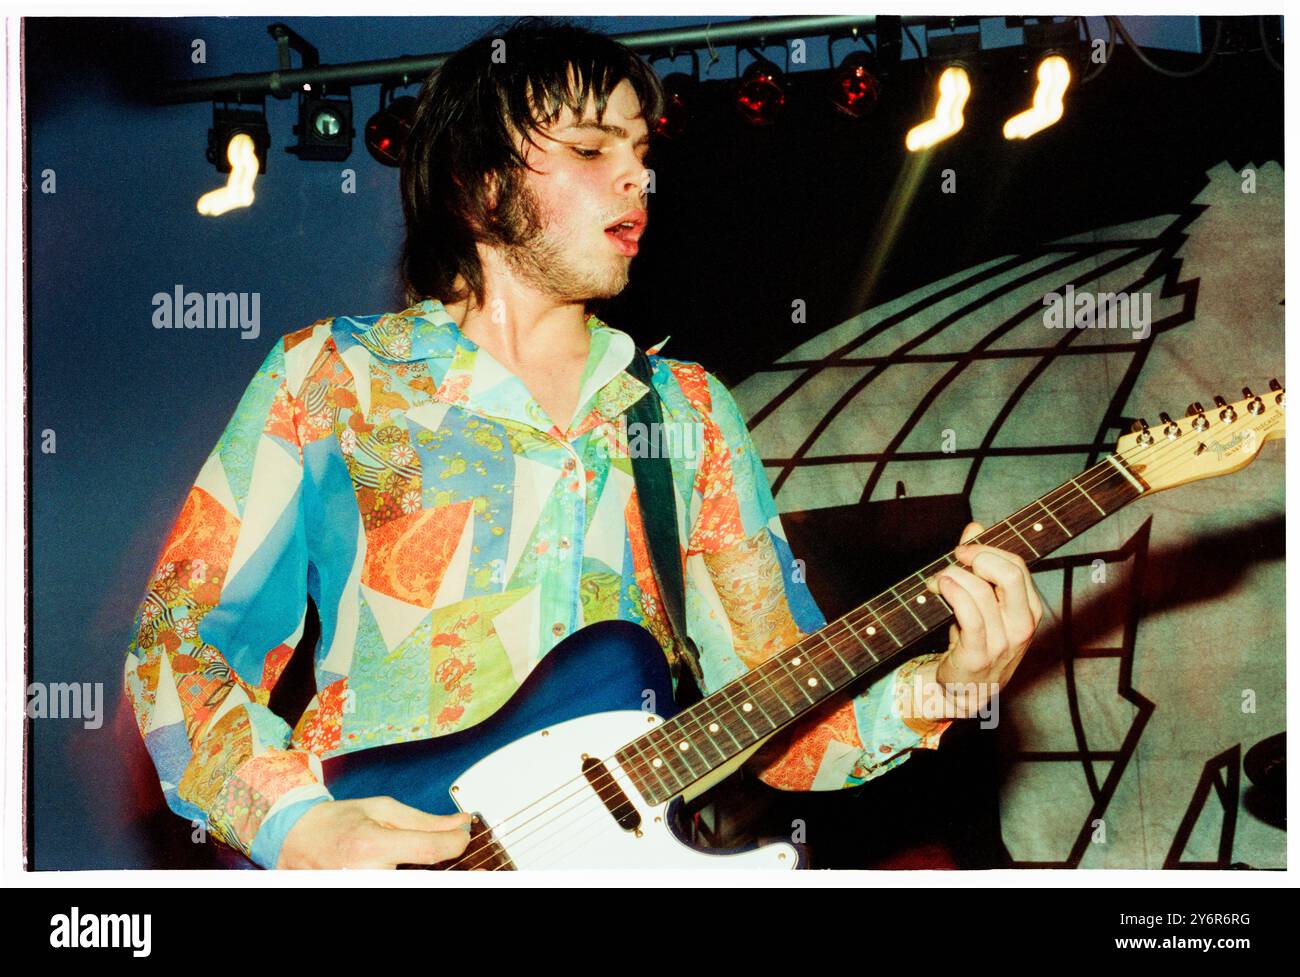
{"x": 1171, "y": 428}
{"x": 1281, "y": 394}
{"x": 1196, "y": 411}
{"x": 1255, "y": 406}
{"x": 1227, "y": 414}
{"x": 1142, "y": 432}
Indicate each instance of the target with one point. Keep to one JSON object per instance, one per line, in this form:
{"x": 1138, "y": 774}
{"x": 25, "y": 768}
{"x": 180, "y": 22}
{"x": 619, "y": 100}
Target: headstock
{"x": 1204, "y": 443}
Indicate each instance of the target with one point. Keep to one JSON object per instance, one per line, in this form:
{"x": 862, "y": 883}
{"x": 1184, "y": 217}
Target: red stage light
{"x": 760, "y": 98}
{"x": 855, "y": 89}
{"x": 387, "y": 130}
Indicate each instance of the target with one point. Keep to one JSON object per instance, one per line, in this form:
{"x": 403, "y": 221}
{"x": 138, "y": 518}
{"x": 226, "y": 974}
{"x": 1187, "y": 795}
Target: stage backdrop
{"x": 918, "y": 354}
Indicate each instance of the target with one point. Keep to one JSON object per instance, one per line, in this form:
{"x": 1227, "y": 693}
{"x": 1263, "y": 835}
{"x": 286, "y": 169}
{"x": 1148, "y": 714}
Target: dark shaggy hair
{"x": 462, "y": 140}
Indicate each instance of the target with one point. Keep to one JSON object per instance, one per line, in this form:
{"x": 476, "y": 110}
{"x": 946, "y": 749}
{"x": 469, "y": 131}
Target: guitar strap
{"x": 652, "y": 473}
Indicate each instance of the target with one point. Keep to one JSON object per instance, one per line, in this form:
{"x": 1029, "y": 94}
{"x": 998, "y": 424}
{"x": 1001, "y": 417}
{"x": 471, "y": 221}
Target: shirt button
{"x": 557, "y": 629}
{"x": 568, "y": 464}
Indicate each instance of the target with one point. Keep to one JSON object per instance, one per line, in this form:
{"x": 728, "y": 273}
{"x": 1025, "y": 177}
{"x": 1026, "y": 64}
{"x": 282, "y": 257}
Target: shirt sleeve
{"x": 747, "y": 600}
{"x": 222, "y": 613}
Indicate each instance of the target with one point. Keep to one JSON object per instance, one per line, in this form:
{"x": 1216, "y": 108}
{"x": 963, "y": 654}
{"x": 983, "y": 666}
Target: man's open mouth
{"x": 628, "y": 228}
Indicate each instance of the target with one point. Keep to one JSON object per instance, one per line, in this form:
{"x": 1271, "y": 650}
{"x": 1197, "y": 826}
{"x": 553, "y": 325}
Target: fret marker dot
{"x": 1038, "y": 527}
{"x": 921, "y": 599}
{"x": 713, "y": 727}
{"x": 747, "y": 707}
{"x": 656, "y": 762}
{"x": 683, "y": 746}
{"x": 871, "y": 629}
{"x": 796, "y": 661}
{"x": 812, "y": 682}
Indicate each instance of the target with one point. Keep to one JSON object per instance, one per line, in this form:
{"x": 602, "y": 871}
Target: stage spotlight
{"x": 1049, "y": 105}
{"x": 324, "y": 128}
{"x": 855, "y": 89}
{"x": 679, "y": 94}
{"x": 388, "y": 128}
{"x": 229, "y": 121}
{"x": 954, "y": 90}
{"x": 241, "y": 157}
{"x": 760, "y": 98}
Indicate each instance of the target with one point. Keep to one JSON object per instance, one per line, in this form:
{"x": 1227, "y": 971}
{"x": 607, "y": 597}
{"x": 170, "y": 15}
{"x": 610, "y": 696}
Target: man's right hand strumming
{"x": 372, "y": 832}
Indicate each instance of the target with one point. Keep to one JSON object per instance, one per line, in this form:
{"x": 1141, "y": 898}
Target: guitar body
{"x": 522, "y": 770}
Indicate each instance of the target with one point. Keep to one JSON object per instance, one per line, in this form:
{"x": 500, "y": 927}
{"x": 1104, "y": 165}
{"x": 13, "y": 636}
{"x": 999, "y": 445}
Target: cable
{"x": 1110, "y": 49}
{"x": 1263, "y": 39}
{"x": 924, "y": 58}
{"x": 1128, "y": 39}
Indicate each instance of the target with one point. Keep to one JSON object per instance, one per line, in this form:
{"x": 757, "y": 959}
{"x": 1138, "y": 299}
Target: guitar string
{"x": 1101, "y": 472}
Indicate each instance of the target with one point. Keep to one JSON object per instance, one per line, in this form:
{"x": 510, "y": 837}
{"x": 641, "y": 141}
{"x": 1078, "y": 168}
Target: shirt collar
{"x": 475, "y": 380}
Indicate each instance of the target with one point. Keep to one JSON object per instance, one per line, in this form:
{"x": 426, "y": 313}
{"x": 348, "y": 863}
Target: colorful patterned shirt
{"x": 450, "y": 535}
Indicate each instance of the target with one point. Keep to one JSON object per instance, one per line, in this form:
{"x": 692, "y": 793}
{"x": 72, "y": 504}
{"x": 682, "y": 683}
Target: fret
{"x": 1023, "y": 540}
{"x": 908, "y": 605}
{"x": 795, "y": 679}
{"x": 646, "y": 763}
{"x": 848, "y": 621}
{"x": 668, "y": 757}
{"x": 1051, "y": 515}
{"x": 717, "y": 720}
{"x": 850, "y": 674}
{"x": 740, "y": 711}
{"x": 631, "y": 759}
{"x": 1087, "y": 496}
{"x": 774, "y": 691}
{"x": 881, "y": 622}
{"x": 824, "y": 684}
{"x": 754, "y": 699}
{"x": 685, "y": 748}
{"x": 835, "y": 651}
{"x": 702, "y": 735}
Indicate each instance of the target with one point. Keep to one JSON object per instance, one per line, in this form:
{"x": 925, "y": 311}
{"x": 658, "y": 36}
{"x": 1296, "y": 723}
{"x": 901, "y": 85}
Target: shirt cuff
{"x": 266, "y": 793}
{"x": 888, "y": 736}
{"x": 265, "y": 850}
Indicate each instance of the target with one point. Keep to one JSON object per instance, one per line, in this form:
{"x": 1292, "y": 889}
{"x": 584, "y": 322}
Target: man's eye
{"x": 586, "y": 153}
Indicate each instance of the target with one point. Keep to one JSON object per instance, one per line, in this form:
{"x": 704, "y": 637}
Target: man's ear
{"x": 492, "y": 184}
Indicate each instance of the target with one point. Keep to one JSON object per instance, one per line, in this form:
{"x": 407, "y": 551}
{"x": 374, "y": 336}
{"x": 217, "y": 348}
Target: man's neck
{"x": 522, "y": 328}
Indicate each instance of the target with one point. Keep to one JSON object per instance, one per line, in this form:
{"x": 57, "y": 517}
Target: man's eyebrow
{"x": 610, "y": 130}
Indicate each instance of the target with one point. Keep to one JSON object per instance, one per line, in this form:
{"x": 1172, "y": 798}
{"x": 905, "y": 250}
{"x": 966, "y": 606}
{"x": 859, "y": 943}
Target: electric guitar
{"x": 581, "y": 767}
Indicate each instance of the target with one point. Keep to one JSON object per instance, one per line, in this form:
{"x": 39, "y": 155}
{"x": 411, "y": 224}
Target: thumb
{"x": 394, "y": 814}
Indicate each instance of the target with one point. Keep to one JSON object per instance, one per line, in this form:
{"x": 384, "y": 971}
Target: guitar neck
{"x": 869, "y": 641}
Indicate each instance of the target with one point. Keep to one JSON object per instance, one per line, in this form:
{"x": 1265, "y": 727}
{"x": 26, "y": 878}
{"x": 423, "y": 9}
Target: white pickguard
{"x": 545, "y": 814}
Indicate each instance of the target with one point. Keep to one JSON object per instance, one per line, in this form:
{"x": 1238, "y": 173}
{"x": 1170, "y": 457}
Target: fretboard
{"x": 866, "y": 643}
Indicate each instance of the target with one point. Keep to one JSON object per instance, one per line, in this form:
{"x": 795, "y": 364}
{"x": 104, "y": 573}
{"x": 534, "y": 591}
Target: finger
{"x": 1013, "y": 595}
{"x": 967, "y": 555}
{"x": 972, "y": 634}
{"x": 392, "y": 813}
{"x": 972, "y": 530}
{"x": 991, "y": 640}
{"x": 402, "y": 847}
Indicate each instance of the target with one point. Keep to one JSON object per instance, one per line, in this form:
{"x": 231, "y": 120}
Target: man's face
{"x": 588, "y": 176}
